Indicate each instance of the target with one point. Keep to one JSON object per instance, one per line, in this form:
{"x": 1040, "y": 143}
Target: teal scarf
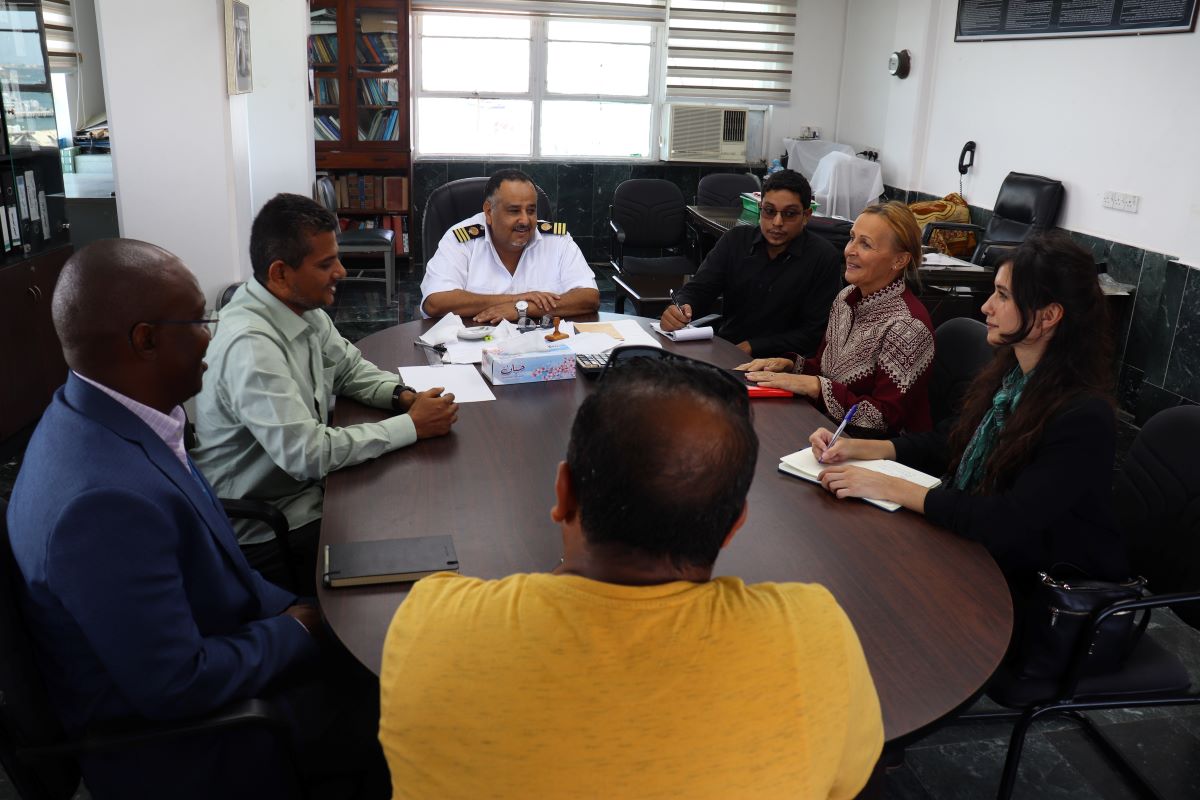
{"x": 979, "y": 449}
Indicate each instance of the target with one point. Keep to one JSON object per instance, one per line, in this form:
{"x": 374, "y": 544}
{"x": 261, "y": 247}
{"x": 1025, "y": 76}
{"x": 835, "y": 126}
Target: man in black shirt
{"x": 778, "y": 279}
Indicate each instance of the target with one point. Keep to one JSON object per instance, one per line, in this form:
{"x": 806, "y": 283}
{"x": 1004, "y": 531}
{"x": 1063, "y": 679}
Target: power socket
{"x": 1121, "y": 201}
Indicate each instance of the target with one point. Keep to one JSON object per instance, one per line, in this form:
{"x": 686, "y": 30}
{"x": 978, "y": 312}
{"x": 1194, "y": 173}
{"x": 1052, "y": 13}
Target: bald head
{"x": 661, "y": 458}
{"x": 108, "y": 287}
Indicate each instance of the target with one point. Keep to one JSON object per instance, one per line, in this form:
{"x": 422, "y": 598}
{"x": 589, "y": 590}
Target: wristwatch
{"x": 522, "y": 308}
{"x": 399, "y": 390}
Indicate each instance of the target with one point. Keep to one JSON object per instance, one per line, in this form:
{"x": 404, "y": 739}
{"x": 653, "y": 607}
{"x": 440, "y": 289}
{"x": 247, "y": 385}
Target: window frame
{"x": 537, "y": 94}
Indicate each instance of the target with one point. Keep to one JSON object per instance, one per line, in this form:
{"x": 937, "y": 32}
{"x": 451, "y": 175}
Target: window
{"x": 536, "y": 86}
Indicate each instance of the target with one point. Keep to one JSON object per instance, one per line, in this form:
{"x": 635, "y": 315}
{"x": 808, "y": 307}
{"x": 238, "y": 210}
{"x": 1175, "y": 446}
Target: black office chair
{"x": 369, "y": 241}
{"x": 647, "y": 223}
{"x": 961, "y": 351}
{"x": 725, "y": 188}
{"x": 38, "y": 757}
{"x": 455, "y": 201}
{"x": 258, "y": 510}
{"x": 835, "y": 231}
{"x": 1026, "y": 204}
{"x": 1156, "y": 496}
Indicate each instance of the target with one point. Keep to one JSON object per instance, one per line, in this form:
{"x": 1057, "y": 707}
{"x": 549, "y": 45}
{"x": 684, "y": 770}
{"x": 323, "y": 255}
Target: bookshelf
{"x": 32, "y": 222}
{"x": 358, "y": 57}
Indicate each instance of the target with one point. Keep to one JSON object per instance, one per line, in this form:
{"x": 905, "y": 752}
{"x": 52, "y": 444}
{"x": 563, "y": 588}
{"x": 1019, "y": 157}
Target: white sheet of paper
{"x": 464, "y": 381}
{"x": 465, "y": 352}
{"x": 446, "y": 330}
{"x": 591, "y": 343}
{"x": 634, "y": 333}
{"x": 943, "y": 260}
{"x": 684, "y": 334}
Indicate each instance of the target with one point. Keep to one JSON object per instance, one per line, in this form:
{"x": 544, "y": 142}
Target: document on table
{"x": 941, "y": 261}
{"x": 803, "y": 464}
{"x": 462, "y": 380}
{"x": 685, "y": 334}
{"x": 633, "y": 333}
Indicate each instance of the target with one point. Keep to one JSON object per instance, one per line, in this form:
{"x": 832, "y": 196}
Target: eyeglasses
{"x": 788, "y": 214}
{"x": 627, "y": 353}
{"x": 209, "y": 324}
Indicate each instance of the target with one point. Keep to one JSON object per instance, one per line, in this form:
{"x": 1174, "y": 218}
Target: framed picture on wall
{"x": 237, "y": 47}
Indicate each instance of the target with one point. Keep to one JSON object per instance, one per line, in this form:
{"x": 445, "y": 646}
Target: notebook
{"x": 803, "y": 464}
{"x": 388, "y": 560}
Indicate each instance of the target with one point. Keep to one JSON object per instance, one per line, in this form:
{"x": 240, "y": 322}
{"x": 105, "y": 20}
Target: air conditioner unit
{"x": 704, "y": 133}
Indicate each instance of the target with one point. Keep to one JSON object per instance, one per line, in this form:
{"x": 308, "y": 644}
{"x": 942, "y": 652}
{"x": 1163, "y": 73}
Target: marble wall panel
{"x": 1183, "y": 369}
{"x": 1155, "y": 313}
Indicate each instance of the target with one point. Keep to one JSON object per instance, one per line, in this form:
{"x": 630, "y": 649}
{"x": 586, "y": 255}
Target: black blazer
{"x": 1057, "y": 511}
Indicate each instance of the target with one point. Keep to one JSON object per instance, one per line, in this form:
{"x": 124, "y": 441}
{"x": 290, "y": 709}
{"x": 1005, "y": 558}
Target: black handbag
{"x": 1060, "y": 610}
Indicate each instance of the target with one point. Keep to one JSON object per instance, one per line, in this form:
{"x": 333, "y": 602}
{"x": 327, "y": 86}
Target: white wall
{"x": 862, "y": 112}
{"x": 816, "y": 73}
{"x": 1114, "y": 113}
{"x": 279, "y": 120}
{"x": 185, "y": 154}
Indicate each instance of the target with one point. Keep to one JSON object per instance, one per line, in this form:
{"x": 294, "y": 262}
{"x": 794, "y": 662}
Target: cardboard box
{"x": 555, "y": 364}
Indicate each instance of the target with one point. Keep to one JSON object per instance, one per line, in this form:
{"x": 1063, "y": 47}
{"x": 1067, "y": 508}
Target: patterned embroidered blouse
{"x": 876, "y": 352}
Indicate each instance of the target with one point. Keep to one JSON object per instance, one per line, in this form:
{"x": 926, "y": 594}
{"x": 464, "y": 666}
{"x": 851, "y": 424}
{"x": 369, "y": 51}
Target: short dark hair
{"x": 661, "y": 456}
{"x": 790, "y": 181}
{"x": 493, "y": 184}
{"x": 282, "y": 230}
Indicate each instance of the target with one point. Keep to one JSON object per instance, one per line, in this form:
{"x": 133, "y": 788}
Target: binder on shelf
{"x": 4, "y": 227}
{"x": 11, "y": 207}
{"x": 395, "y": 193}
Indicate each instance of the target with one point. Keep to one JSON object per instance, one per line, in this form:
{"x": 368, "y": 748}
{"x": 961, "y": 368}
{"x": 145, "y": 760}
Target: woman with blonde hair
{"x": 878, "y": 344}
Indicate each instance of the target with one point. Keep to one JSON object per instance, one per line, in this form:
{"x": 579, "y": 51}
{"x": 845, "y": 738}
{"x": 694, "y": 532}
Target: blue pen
{"x": 845, "y": 421}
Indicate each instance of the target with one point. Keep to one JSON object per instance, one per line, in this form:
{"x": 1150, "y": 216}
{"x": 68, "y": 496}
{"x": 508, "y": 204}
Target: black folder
{"x": 388, "y": 560}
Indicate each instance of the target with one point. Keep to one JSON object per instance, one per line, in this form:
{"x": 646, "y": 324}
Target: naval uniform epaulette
{"x": 553, "y": 228}
{"x": 468, "y": 232}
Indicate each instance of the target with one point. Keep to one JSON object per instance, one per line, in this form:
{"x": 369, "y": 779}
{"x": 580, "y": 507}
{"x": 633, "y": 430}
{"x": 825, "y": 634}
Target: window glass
{"x": 596, "y": 68}
{"x": 452, "y": 125}
{"x": 592, "y": 128}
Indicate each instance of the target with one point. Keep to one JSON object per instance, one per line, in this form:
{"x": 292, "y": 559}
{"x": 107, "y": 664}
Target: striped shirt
{"x": 168, "y": 427}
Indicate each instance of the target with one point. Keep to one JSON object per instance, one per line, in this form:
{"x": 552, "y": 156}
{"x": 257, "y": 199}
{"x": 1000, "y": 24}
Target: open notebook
{"x": 803, "y": 464}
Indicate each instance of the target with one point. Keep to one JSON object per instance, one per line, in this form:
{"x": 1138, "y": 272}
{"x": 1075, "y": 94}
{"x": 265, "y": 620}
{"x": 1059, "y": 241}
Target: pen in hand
{"x": 845, "y": 421}
{"x": 675, "y": 302}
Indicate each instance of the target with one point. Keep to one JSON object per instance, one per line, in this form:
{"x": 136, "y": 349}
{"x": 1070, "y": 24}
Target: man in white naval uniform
{"x": 503, "y": 261}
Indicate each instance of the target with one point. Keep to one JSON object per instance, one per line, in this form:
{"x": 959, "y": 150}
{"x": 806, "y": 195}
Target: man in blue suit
{"x": 138, "y": 598}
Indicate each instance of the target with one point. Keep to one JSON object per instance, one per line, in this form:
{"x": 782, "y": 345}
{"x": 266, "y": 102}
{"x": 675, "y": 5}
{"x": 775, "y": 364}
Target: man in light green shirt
{"x": 273, "y": 367}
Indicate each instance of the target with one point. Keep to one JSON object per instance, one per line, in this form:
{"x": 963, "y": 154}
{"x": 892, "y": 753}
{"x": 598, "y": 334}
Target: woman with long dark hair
{"x": 1027, "y": 467}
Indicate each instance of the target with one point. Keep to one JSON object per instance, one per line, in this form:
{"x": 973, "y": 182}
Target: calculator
{"x": 591, "y": 364}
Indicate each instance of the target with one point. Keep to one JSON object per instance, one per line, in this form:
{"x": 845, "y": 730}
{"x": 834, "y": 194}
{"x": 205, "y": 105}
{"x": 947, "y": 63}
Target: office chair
{"x": 38, "y": 757}
{"x": 1026, "y": 204}
{"x": 455, "y": 201}
{"x": 648, "y": 216}
{"x": 1155, "y": 495}
{"x": 961, "y": 350}
{"x": 725, "y": 188}
{"x": 369, "y": 241}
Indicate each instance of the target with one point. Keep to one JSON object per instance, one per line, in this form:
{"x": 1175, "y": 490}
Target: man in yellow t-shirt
{"x": 631, "y": 671}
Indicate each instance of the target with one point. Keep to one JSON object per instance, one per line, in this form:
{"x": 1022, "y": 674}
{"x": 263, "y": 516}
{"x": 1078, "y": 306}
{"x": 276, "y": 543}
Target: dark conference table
{"x": 932, "y": 610}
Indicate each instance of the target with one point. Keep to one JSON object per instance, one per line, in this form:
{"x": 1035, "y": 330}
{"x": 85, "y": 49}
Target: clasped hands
{"x": 540, "y": 304}
{"x": 776, "y": 373}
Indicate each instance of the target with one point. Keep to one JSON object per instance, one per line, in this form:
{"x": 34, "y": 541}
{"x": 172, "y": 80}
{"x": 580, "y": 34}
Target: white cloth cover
{"x": 805, "y": 154}
{"x": 844, "y": 185}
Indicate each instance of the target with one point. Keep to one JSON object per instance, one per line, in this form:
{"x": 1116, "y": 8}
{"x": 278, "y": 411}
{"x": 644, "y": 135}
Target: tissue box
{"x": 555, "y": 364}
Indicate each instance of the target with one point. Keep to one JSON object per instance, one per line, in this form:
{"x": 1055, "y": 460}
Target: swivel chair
{"x": 455, "y": 201}
{"x": 725, "y": 188}
{"x": 1155, "y": 497}
{"x": 648, "y": 216}
{"x": 961, "y": 351}
{"x": 1026, "y": 204}
{"x": 39, "y": 758}
{"x": 369, "y": 241}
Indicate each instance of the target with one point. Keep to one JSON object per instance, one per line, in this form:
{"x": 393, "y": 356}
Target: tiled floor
{"x": 957, "y": 761}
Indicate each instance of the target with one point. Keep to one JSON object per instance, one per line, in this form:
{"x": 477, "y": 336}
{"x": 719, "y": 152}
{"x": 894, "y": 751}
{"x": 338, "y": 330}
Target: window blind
{"x": 640, "y": 10}
{"x": 60, "y": 35}
{"x": 731, "y": 49}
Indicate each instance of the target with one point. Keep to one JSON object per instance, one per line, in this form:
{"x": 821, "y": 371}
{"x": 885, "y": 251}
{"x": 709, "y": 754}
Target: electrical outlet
{"x": 1121, "y": 201}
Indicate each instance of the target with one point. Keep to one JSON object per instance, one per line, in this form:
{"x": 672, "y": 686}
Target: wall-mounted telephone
{"x": 966, "y": 159}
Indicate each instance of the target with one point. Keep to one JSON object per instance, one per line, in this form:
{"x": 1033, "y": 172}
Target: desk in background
{"x": 932, "y": 609}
